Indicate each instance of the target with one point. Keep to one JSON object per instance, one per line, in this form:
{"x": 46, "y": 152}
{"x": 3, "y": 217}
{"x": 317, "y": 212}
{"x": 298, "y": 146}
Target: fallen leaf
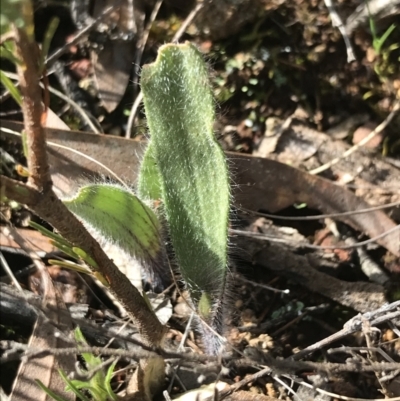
{"x": 51, "y": 331}
{"x": 113, "y": 63}
{"x": 260, "y": 184}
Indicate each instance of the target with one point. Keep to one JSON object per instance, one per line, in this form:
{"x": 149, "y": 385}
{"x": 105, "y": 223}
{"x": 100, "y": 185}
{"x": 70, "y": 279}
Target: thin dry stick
{"x": 338, "y": 396}
{"x": 267, "y": 287}
{"x": 370, "y": 341}
{"x": 26, "y": 304}
{"x": 368, "y": 266}
{"x": 11, "y": 347}
{"x": 352, "y": 326}
{"x": 367, "y": 349}
{"x": 132, "y": 114}
{"x": 321, "y": 367}
{"x": 7, "y": 269}
{"x": 75, "y": 105}
{"x": 59, "y": 52}
{"x": 354, "y": 148}
{"x": 189, "y": 19}
{"x": 321, "y": 216}
{"x": 186, "y": 333}
{"x": 56, "y": 145}
{"x": 78, "y": 108}
{"x": 289, "y": 389}
{"x": 337, "y": 22}
{"x": 143, "y": 42}
{"x": 266, "y": 237}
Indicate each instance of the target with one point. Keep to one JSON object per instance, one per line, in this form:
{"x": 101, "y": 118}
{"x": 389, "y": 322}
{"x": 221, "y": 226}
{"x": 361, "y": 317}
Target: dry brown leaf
{"x": 47, "y": 336}
{"x": 112, "y": 67}
{"x": 35, "y": 238}
{"x": 273, "y": 186}
{"x": 53, "y": 121}
{"x": 261, "y": 184}
{"x": 114, "y": 62}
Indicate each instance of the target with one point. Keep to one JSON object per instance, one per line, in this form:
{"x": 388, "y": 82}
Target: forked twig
{"x": 143, "y": 41}
{"x": 385, "y": 313}
{"x": 378, "y": 316}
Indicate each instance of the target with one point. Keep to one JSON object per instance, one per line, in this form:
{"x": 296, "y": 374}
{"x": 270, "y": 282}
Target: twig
{"x": 370, "y": 340}
{"x": 26, "y": 307}
{"x": 189, "y": 19}
{"x": 267, "y": 287}
{"x": 321, "y": 216}
{"x": 337, "y": 22}
{"x": 309, "y": 246}
{"x": 365, "y": 140}
{"x": 3, "y": 395}
{"x": 289, "y": 389}
{"x": 186, "y": 333}
{"x": 377, "y": 316}
{"x": 351, "y": 349}
{"x": 7, "y": 269}
{"x": 340, "y": 397}
{"x": 143, "y": 42}
{"x": 281, "y": 366}
{"x": 66, "y": 99}
{"x": 86, "y": 375}
{"x": 13, "y": 351}
{"x": 59, "y": 52}
{"x": 77, "y": 152}
{"x": 78, "y": 108}
{"x": 132, "y": 114}
{"x": 369, "y": 267}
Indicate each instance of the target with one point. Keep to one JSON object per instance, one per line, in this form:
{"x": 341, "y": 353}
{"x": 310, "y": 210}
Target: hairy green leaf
{"x": 148, "y": 185}
{"x": 114, "y": 215}
{"x": 191, "y": 166}
{"x": 9, "y": 85}
{"x": 48, "y": 36}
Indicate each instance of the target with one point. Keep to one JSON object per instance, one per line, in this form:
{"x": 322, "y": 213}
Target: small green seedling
{"x": 184, "y": 170}
{"x": 382, "y": 65}
{"x": 378, "y": 42}
{"x": 98, "y": 384}
{"x": 189, "y": 171}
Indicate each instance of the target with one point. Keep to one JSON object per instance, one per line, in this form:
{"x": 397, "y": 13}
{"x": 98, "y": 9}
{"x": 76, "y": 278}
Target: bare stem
{"x": 33, "y": 111}
{"x": 38, "y": 195}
